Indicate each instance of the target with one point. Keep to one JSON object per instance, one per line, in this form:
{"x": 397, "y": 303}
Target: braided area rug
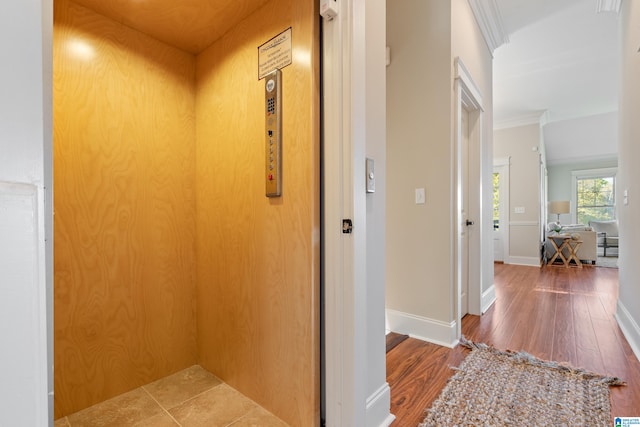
{"x": 498, "y": 388}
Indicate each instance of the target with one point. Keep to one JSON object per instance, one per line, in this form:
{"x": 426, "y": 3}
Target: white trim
{"x": 23, "y": 306}
{"x": 28, "y": 161}
{"x": 609, "y": 6}
{"x": 524, "y": 260}
{"x": 589, "y": 173}
{"x": 487, "y": 14}
{"x": 629, "y": 328}
{"x": 594, "y": 173}
{"x": 338, "y": 350}
{"x": 378, "y": 408}
{"x": 469, "y": 97}
{"x": 502, "y": 165}
{"x": 524, "y": 120}
{"x": 502, "y": 161}
{"x": 488, "y": 298}
{"x": 470, "y": 94}
{"x": 582, "y": 159}
{"x": 423, "y": 328}
{"x": 348, "y": 364}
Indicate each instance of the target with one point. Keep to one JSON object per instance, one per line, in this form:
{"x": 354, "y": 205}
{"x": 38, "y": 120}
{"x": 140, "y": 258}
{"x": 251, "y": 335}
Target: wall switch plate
{"x": 420, "y": 197}
{"x": 371, "y": 177}
{"x": 519, "y": 209}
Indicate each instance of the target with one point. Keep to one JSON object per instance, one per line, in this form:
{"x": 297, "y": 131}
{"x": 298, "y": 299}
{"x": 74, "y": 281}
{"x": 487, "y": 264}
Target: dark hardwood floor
{"x": 565, "y": 315}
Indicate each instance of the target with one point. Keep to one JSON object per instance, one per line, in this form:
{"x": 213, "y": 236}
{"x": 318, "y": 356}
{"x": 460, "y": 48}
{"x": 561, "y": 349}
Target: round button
{"x": 271, "y": 84}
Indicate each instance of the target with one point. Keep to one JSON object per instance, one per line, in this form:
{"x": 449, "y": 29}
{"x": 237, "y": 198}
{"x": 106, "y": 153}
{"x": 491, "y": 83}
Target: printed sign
{"x": 275, "y": 54}
{"x": 626, "y": 422}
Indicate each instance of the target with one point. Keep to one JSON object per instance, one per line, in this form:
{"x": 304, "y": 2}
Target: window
{"x": 595, "y": 193}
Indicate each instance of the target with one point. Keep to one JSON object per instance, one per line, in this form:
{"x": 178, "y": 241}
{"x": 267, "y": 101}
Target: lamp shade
{"x": 560, "y": 207}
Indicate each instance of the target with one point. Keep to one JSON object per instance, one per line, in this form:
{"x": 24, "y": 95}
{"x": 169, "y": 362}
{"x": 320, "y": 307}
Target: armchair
{"x": 607, "y": 234}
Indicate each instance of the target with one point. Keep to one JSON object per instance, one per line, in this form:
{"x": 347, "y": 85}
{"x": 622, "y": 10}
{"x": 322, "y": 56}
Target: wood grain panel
{"x": 191, "y": 25}
{"x": 124, "y": 172}
{"x": 258, "y": 275}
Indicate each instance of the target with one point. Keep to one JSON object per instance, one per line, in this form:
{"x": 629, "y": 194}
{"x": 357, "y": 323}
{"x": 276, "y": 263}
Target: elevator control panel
{"x": 273, "y": 133}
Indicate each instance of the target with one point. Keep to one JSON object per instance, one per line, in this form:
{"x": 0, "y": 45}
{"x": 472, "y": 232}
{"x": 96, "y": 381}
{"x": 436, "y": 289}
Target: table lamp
{"x": 559, "y": 207}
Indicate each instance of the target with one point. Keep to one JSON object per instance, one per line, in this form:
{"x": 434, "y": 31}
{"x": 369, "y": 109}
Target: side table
{"x": 562, "y": 242}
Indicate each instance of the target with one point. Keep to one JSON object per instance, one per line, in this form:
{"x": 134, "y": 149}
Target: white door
{"x": 469, "y": 191}
{"x": 464, "y": 206}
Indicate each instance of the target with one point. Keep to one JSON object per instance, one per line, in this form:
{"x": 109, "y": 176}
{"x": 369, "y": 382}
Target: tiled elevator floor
{"x": 190, "y": 398}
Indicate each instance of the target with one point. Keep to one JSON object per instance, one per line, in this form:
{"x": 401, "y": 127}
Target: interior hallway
{"x": 189, "y": 398}
{"x": 565, "y": 315}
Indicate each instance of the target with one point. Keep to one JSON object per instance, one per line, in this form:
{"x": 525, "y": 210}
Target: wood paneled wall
{"x": 133, "y": 183}
{"x": 258, "y": 258}
{"x": 124, "y": 174}
{"x": 191, "y": 25}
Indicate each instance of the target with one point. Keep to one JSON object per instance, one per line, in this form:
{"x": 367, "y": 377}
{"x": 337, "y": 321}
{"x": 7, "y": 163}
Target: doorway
{"x": 469, "y": 141}
{"x": 464, "y": 211}
{"x": 501, "y": 209}
{"x": 151, "y": 144}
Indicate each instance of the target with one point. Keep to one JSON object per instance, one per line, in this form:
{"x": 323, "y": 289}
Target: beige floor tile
{"x": 217, "y": 407}
{"x": 124, "y": 410}
{"x": 181, "y": 386}
{"x": 259, "y": 417}
{"x": 61, "y": 422}
{"x": 160, "y": 420}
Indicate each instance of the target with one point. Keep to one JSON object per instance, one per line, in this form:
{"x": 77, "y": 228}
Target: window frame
{"x": 588, "y": 174}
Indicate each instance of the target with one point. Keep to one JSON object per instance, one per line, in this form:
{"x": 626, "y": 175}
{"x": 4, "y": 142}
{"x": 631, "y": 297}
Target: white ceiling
{"x": 561, "y": 64}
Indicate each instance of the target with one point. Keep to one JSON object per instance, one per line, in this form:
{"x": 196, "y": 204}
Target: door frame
{"x": 469, "y": 97}
{"x": 355, "y": 388}
{"x": 341, "y": 376}
{"x": 465, "y": 229}
{"x": 502, "y": 166}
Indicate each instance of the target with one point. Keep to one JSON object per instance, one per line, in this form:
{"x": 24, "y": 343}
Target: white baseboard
{"x": 629, "y": 328}
{"x": 488, "y": 298}
{"x": 378, "y": 407}
{"x": 524, "y": 260}
{"x": 423, "y": 328}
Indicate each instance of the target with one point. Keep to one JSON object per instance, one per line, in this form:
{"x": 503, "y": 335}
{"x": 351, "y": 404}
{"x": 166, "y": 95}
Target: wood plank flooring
{"x": 565, "y": 315}
{"x": 394, "y": 339}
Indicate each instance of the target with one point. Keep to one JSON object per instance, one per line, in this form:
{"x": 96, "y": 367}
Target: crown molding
{"x": 582, "y": 159}
{"x": 537, "y": 117}
{"x": 487, "y": 14}
{"x": 609, "y": 6}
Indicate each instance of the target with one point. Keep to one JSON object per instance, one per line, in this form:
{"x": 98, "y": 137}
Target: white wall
{"x": 26, "y": 392}
{"x": 628, "y": 312}
{"x": 377, "y": 389}
{"x": 522, "y": 144}
{"x": 424, "y": 38}
{"x": 354, "y": 124}
{"x": 419, "y": 155}
{"x": 467, "y": 43}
